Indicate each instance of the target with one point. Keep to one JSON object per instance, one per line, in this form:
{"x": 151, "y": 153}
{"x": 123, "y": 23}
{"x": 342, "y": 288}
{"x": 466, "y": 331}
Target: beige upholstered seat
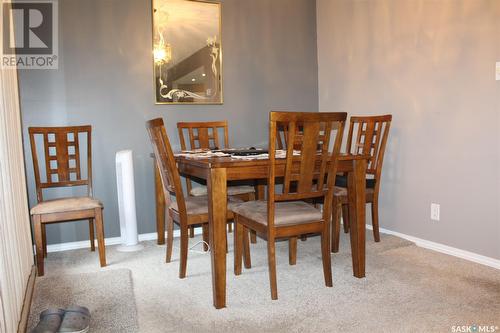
{"x": 65, "y": 205}
{"x": 231, "y": 190}
{"x": 285, "y": 213}
{"x": 199, "y": 205}
{"x": 342, "y": 191}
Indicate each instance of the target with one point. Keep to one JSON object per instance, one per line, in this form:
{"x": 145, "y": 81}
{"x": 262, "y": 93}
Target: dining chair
{"x": 62, "y": 160}
{"x": 309, "y": 173}
{"x": 205, "y": 135}
{"x": 185, "y": 210}
{"x": 367, "y": 135}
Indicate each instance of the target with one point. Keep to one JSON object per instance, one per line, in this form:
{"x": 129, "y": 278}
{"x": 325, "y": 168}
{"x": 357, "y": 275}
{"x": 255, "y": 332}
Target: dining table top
{"x": 215, "y": 161}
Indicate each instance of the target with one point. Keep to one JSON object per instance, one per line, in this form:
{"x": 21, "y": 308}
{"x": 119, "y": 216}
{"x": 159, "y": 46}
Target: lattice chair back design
{"x": 205, "y": 135}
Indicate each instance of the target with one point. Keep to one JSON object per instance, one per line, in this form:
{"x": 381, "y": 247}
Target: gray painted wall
{"x": 105, "y": 79}
{"x": 431, "y": 64}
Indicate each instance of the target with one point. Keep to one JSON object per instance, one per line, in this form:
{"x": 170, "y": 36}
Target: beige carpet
{"x": 407, "y": 289}
{"x": 108, "y": 295}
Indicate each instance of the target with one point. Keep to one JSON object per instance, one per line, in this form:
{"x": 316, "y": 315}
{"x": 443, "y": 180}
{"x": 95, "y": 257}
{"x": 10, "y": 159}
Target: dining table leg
{"x": 357, "y": 204}
{"x": 160, "y": 207}
{"x": 217, "y": 217}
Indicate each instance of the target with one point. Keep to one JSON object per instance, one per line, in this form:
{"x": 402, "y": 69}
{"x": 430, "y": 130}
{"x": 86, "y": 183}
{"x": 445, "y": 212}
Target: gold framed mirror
{"x": 187, "y": 51}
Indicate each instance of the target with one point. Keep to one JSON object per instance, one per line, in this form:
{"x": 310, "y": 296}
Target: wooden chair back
{"x": 305, "y": 173}
{"x": 368, "y": 135}
{"x": 62, "y": 157}
{"x": 167, "y": 167}
{"x": 281, "y": 133}
{"x": 282, "y": 136}
{"x": 203, "y": 135}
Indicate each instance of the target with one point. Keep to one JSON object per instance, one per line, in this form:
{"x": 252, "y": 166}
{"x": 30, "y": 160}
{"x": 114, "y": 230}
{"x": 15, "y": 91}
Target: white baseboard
{"x": 452, "y": 251}
{"x": 109, "y": 241}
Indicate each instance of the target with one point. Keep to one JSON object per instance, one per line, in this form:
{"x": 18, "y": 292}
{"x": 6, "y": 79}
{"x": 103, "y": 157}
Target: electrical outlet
{"x": 435, "y": 211}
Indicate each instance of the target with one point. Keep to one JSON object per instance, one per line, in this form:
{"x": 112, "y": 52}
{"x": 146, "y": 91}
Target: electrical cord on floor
{"x": 191, "y": 248}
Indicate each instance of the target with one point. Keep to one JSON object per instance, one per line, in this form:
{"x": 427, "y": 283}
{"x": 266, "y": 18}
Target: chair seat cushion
{"x": 342, "y": 191}
{"x": 65, "y": 205}
{"x": 199, "y": 205}
{"x": 231, "y": 190}
{"x": 341, "y": 181}
{"x": 285, "y": 213}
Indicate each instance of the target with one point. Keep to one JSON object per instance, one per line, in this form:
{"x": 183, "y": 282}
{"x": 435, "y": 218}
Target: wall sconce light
{"x": 162, "y": 53}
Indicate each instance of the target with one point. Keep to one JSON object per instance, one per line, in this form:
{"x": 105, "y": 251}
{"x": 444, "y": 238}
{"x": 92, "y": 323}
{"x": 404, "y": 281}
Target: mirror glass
{"x": 187, "y": 52}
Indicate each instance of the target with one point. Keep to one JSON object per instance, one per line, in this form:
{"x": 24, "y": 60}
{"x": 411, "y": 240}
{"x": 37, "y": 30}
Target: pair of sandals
{"x": 75, "y": 319}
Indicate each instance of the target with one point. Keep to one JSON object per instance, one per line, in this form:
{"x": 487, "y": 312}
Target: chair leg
{"x": 170, "y": 238}
{"x": 336, "y": 210}
{"x": 184, "y": 251}
{"x": 238, "y": 246}
{"x": 345, "y": 217}
{"x": 253, "y": 237}
{"x": 271, "y": 258}
{"x": 229, "y": 227}
{"x": 227, "y": 247}
{"x": 246, "y": 248}
{"x": 376, "y": 232}
{"x": 160, "y": 206}
{"x": 204, "y": 228}
{"x": 253, "y": 197}
{"x": 325, "y": 255}
{"x": 91, "y": 235}
{"x": 100, "y": 236}
{"x": 37, "y": 225}
{"x": 292, "y": 250}
{"x": 44, "y": 241}
{"x": 191, "y": 231}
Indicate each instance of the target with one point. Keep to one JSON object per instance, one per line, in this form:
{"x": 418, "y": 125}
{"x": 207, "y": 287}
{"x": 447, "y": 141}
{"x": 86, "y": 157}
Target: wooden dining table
{"x": 217, "y": 171}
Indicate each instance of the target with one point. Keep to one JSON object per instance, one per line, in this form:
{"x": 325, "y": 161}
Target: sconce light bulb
{"x": 162, "y": 53}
